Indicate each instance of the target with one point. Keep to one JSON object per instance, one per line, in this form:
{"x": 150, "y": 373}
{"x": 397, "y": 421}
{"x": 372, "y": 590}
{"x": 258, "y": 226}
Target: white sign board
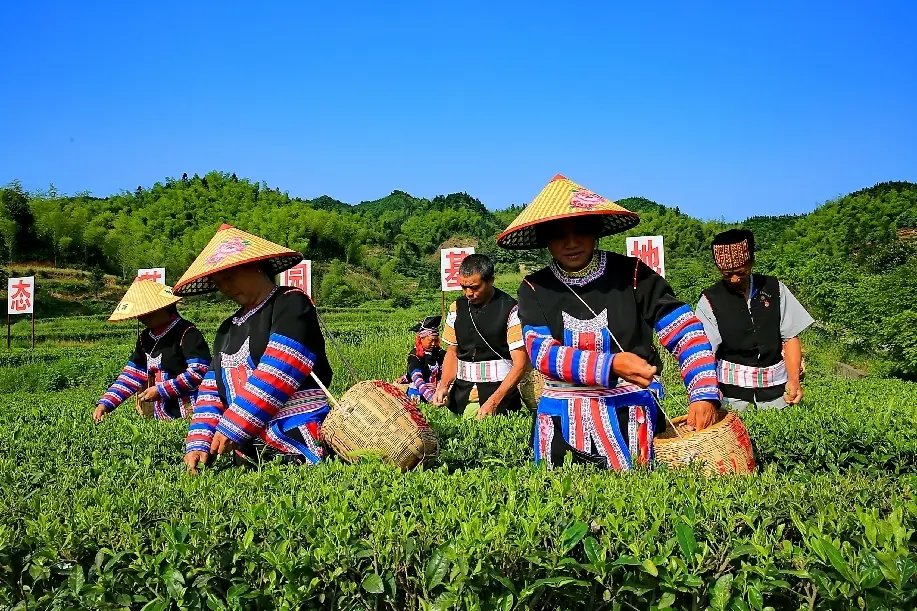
{"x": 648, "y": 249}
{"x": 449, "y": 261}
{"x": 156, "y": 274}
{"x": 20, "y": 297}
{"x": 299, "y": 276}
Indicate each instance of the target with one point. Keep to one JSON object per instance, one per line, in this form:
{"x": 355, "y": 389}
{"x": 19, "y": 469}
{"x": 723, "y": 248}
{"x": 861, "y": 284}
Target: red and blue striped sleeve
{"x": 197, "y": 355}
{"x": 131, "y": 380}
{"x": 284, "y": 366}
{"x": 551, "y": 357}
{"x": 208, "y": 409}
{"x": 565, "y": 363}
{"x": 682, "y": 334}
{"x": 425, "y": 389}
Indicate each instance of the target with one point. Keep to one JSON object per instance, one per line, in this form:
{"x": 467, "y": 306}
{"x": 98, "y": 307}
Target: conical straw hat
{"x": 231, "y": 247}
{"x": 143, "y": 297}
{"x": 562, "y": 198}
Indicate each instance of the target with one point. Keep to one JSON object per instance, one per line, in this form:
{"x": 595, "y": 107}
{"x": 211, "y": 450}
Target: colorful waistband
{"x": 746, "y": 376}
{"x": 484, "y": 371}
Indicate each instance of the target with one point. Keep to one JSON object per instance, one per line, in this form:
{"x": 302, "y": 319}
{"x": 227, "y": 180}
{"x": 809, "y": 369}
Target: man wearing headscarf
{"x": 753, "y": 322}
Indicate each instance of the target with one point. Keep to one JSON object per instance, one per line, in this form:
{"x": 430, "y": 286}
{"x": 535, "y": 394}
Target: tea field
{"x": 104, "y": 516}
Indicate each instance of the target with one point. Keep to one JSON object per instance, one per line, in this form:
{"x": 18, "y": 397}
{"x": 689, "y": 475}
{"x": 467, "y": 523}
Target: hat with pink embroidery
{"x": 564, "y": 199}
{"x": 232, "y": 247}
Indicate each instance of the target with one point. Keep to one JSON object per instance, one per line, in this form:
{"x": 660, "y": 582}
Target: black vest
{"x": 491, "y": 322}
{"x": 749, "y": 338}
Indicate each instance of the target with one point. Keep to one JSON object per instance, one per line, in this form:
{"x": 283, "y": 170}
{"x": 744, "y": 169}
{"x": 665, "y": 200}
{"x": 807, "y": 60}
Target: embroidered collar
{"x": 240, "y": 319}
{"x": 594, "y": 270}
{"x": 158, "y": 336}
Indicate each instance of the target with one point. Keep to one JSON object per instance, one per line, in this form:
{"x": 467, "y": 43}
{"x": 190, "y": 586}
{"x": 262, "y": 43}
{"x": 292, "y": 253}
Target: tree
{"x": 96, "y": 281}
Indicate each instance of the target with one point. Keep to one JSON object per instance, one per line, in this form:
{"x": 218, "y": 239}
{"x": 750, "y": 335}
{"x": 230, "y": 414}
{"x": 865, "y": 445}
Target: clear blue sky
{"x": 724, "y": 109}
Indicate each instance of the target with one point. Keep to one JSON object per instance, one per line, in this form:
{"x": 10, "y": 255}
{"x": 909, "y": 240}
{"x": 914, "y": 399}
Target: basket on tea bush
{"x": 530, "y": 387}
{"x": 723, "y": 447}
{"x": 375, "y": 416}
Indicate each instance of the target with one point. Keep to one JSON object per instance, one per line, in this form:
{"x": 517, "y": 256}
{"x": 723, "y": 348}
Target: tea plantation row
{"x": 103, "y": 517}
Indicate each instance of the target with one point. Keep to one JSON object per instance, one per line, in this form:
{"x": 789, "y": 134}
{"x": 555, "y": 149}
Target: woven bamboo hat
{"x": 143, "y": 297}
{"x": 231, "y": 247}
{"x": 560, "y": 199}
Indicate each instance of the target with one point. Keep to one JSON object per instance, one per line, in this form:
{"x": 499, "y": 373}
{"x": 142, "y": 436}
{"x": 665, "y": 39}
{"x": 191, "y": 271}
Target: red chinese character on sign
{"x": 296, "y": 277}
{"x": 21, "y": 300}
{"x": 647, "y": 253}
{"x": 150, "y": 275}
{"x": 453, "y": 262}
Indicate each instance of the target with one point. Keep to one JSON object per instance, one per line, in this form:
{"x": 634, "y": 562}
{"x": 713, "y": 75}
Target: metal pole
{"x": 33, "y": 328}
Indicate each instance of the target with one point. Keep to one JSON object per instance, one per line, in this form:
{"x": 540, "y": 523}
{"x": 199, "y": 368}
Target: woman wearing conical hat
{"x": 425, "y": 361}
{"x": 171, "y": 355}
{"x": 259, "y": 398}
{"x": 588, "y": 321}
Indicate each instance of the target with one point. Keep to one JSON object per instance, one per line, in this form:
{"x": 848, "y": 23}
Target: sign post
{"x": 450, "y": 259}
{"x": 648, "y": 249}
{"x": 299, "y": 276}
{"x": 156, "y": 274}
{"x": 20, "y": 299}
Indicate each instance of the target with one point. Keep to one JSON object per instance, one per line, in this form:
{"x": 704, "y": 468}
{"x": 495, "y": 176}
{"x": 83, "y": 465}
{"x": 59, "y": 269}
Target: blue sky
{"x": 721, "y": 109}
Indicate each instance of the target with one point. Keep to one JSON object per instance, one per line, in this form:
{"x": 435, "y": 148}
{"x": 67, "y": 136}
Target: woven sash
{"x": 302, "y": 402}
{"x": 556, "y": 389}
{"x": 746, "y": 376}
{"x": 484, "y": 371}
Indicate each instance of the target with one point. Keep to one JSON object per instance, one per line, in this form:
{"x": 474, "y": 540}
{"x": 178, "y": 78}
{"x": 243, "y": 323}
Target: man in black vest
{"x": 485, "y": 352}
{"x": 752, "y": 322}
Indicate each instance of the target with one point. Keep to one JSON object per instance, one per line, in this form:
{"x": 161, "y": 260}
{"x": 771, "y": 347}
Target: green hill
{"x": 841, "y": 258}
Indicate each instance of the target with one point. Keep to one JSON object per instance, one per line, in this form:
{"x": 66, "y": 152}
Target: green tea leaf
{"x": 667, "y": 600}
{"x": 436, "y": 569}
{"x": 837, "y": 561}
{"x": 721, "y": 593}
{"x": 650, "y": 567}
{"x": 175, "y": 582}
{"x": 373, "y": 584}
{"x": 574, "y": 534}
{"x": 755, "y": 598}
{"x": 76, "y": 580}
{"x": 686, "y": 540}
{"x": 591, "y": 547}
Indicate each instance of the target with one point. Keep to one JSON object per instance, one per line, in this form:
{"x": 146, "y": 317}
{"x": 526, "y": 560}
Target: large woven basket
{"x": 530, "y": 387}
{"x": 376, "y": 416}
{"x": 723, "y": 447}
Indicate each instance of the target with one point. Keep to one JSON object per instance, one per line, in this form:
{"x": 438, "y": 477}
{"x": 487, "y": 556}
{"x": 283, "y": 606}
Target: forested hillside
{"x": 852, "y": 261}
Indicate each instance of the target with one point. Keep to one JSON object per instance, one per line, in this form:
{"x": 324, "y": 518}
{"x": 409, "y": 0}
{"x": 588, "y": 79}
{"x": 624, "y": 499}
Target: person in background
{"x": 485, "y": 353}
{"x": 260, "y": 399}
{"x": 170, "y": 358}
{"x": 425, "y": 361}
{"x": 753, "y": 322}
{"x": 589, "y": 319}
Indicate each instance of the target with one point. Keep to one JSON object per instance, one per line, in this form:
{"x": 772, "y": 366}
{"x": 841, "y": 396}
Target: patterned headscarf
{"x": 429, "y": 327}
{"x": 734, "y": 248}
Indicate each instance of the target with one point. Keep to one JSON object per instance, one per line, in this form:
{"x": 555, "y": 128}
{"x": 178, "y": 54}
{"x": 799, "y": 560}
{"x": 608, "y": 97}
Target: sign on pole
{"x": 449, "y": 262}
{"x": 156, "y": 274}
{"x": 299, "y": 276}
{"x": 649, "y": 249}
{"x": 20, "y": 299}
{"x": 21, "y": 295}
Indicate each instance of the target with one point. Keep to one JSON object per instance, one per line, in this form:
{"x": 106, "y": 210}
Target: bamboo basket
{"x": 144, "y": 408}
{"x": 724, "y": 447}
{"x": 377, "y": 417}
{"x": 530, "y": 387}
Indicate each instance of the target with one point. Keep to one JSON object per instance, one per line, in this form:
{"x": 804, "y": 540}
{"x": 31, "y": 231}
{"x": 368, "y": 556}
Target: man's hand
{"x": 632, "y": 368}
{"x": 793, "y": 393}
{"x": 150, "y": 394}
{"x": 99, "y": 414}
{"x": 439, "y": 398}
{"x": 701, "y": 414}
{"x": 221, "y": 444}
{"x": 489, "y": 408}
{"x": 192, "y": 459}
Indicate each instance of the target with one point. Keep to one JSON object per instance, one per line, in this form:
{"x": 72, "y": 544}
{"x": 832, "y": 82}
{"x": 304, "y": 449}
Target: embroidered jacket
{"x": 176, "y": 358}
{"x": 570, "y": 342}
{"x": 424, "y": 373}
{"x": 260, "y": 385}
